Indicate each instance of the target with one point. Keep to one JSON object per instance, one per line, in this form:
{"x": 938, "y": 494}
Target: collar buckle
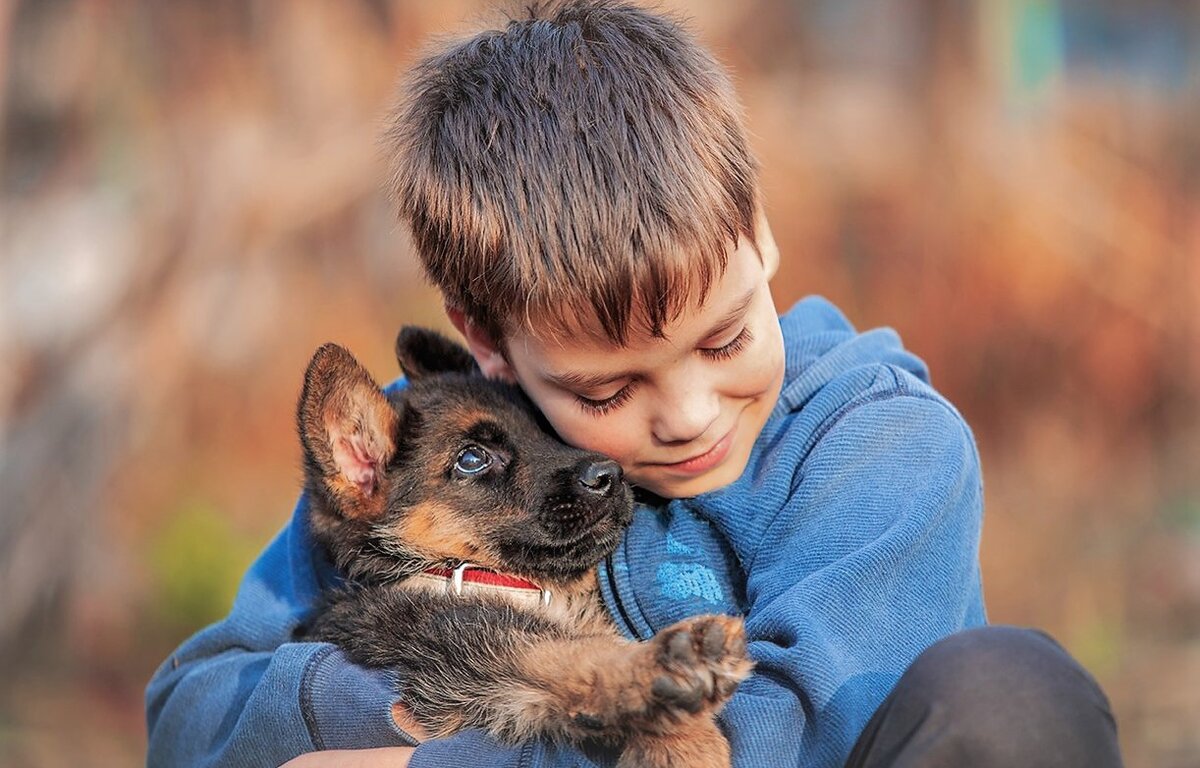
{"x": 457, "y": 578}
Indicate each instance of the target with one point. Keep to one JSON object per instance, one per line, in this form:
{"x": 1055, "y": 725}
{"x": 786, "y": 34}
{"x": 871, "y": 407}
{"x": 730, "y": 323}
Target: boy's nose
{"x": 686, "y": 415}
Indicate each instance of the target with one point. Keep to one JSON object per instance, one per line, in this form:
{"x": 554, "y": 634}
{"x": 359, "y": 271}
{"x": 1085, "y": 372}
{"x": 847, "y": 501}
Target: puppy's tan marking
{"x": 436, "y": 530}
{"x": 466, "y": 420}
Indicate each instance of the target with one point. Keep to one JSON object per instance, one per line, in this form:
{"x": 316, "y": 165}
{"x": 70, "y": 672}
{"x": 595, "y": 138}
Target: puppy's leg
{"x": 694, "y": 742}
{"x": 469, "y": 664}
{"x": 659, "y": 695}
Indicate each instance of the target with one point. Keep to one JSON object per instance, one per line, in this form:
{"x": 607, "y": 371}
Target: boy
{"x": 579, "y": 188}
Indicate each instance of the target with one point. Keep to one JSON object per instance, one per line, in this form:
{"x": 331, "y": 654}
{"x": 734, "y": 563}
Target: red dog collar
{"x": 475, "y": 575}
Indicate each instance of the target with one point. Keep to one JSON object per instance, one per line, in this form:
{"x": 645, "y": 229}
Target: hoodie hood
{"x": 820, "y": 344}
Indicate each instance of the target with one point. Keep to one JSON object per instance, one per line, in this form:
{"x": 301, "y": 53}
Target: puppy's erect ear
{"x": 422, "y": 352}
{"x": 348, "y": 430}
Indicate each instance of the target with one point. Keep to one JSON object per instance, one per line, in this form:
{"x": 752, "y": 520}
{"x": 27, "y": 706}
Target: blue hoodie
{"x": 849, "y": 544}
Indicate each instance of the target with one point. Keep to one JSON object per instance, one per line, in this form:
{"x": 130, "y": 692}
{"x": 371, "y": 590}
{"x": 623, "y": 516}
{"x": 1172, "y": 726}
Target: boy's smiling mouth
{"x": 701, "y": 462}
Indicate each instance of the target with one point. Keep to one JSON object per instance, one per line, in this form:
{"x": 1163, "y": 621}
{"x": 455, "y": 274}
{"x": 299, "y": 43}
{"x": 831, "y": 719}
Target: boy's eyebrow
{"x": 733, "y": 315}
{"x": 586, "y": 381}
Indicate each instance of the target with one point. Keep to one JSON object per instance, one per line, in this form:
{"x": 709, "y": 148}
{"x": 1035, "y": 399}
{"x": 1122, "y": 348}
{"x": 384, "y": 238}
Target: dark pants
{"x": 992, "y": 696}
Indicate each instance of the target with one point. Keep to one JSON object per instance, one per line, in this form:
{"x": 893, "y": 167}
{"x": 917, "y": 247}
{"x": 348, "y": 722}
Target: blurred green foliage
{"x": 1182, "y": 514}
{"x": 197, "y": 560}
{"x": 1099, "y": 645}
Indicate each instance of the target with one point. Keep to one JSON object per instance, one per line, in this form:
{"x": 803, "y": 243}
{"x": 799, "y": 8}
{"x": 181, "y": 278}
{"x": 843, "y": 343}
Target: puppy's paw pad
{"x": 704, "y": 658}
{"x": 677, "y": 693}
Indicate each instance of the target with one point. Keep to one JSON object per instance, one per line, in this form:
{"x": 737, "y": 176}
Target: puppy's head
{"x": 453, "y": 468}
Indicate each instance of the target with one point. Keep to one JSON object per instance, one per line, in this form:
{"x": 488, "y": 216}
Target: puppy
{"x": 469, "y": 538}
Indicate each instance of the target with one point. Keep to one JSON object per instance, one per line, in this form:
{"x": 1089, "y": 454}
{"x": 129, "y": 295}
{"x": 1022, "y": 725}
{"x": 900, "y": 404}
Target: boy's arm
{"x": 872, "y": 559}
{"x": 240, "y": 692}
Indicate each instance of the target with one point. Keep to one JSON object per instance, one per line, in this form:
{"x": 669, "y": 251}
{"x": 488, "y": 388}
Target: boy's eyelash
{"x": 601, "y": 407}
{"x": 735, "y": 346}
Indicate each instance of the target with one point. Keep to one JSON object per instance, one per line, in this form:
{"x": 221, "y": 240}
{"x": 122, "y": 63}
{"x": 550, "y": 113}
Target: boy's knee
{"x": 1001, "y": 696}
{"x": 987, "y": 662}
{"x": 1013, "y": 696}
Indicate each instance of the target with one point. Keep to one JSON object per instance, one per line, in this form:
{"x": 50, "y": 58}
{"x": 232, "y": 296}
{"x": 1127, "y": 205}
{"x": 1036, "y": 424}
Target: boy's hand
{"x": 405, "y": 721}
{"x": 390, "y": 757}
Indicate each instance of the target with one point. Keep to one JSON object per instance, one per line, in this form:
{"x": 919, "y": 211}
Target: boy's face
{"x": 679, "y": 414}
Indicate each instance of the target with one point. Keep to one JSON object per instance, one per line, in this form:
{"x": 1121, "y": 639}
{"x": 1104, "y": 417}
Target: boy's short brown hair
{"x": 587, "y": 162}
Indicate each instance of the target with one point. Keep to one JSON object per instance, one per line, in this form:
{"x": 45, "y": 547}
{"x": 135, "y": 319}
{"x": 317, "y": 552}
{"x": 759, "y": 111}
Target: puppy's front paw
{"x": 700, "y": 662}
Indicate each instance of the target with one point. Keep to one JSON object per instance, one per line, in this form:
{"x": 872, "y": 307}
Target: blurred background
{"x": 190, "y": 204}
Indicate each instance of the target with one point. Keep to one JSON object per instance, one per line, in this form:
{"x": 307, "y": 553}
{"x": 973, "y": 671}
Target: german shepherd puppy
{"x": 469, "y": 535}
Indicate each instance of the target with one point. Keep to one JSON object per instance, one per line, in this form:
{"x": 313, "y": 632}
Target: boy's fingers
{"x": 390, "y": 757}
{"x": 405, "y": 721}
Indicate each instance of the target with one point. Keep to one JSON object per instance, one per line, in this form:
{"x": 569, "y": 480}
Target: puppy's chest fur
{"x": 449, "y": 649}
{"x": 406, "y": 625}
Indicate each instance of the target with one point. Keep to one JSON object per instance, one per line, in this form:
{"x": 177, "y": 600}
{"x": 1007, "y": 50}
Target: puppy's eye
{"x": 472, "y": 460}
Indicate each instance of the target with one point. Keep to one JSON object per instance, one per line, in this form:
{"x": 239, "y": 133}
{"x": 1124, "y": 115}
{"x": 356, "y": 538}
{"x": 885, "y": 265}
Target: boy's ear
{"x": 348, "y": 431}
{"x": 764, "y": 242}
{"x": 422, "y": 352}
{"x": 485, "y": 349}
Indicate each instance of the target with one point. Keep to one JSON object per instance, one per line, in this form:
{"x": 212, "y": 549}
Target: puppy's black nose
{"x": 600, "y": 477}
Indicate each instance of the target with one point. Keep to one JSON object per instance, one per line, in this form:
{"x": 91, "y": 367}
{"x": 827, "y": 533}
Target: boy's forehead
{"x": 579, "y": 329}
{"x": 580, "y": 326}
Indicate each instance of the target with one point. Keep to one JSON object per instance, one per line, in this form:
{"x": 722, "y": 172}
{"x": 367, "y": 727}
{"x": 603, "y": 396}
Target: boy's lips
{"x": 702, "y": 462}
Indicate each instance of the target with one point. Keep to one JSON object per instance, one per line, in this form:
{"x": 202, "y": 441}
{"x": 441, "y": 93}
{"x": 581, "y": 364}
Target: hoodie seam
{"x": 307, "y": 708}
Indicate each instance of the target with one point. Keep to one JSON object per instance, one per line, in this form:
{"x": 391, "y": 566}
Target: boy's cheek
{"x": 577, "y": 428}
{"x": 610, "y": 439}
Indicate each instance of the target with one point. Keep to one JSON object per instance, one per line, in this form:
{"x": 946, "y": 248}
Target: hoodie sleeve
{"x": 873, "y": 557}
{"x": 241, "y": 693}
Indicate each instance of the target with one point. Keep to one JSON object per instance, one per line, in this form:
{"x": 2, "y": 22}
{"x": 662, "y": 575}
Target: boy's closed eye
{"x": 730, "y": 348}
{"x": 600, "y": 405}
{"x": 597, "y": 394}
